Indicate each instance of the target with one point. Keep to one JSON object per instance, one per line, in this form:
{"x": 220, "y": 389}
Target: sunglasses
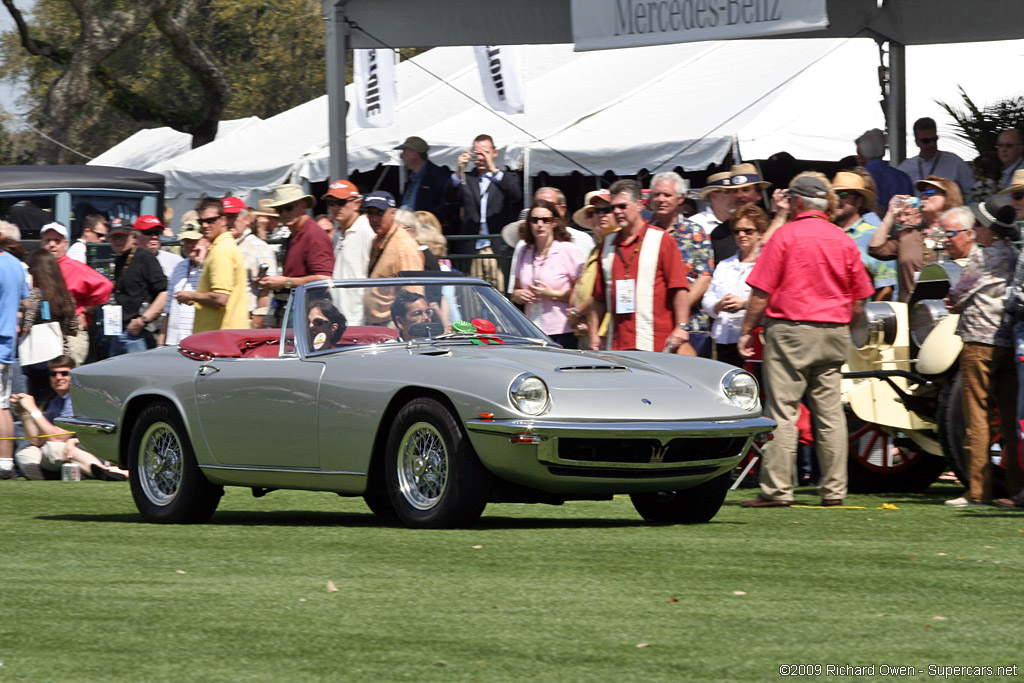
{"x": 950, "y": 234}
{"x": 620, "y": 207}
{"x": 925, "y": 194}
{"x": 843, "y": 194}
{"x": 59, "y": 373}
{"x": 208, "y": 221}
{"x": 337, "y": 202}
{"x": 319, "y": 322}
{"x": 156, "y": 232}
{"x": 602, "y": 210}
{"x": 928, "y": 141}
{"x": 541, "y": 219}
{"x": 373, "y": 212}
{"x": 1017, "y": 196}
{"x": 744, "y": 231}
{"x": 289, "y": 207}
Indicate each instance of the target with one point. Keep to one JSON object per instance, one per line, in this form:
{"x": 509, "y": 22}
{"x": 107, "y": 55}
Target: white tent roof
{"x": 620, "y": 110}
{"x": 151, "y": 146}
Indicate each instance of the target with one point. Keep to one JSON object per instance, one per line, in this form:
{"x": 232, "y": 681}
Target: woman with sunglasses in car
{"x": 903, "y": 233}
{"x": 547, "y": 272}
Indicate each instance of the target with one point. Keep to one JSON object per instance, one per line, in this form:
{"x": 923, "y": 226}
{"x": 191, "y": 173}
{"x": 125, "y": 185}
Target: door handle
{"x": 205, "y": 370}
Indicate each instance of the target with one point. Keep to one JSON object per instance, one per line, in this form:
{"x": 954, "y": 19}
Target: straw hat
{"x": 510, "y": 233}
{"x": 580, "y": 216}
{"x": 265, "y": 209}
{"x": 744, "y": 175}
{"x": 853, "y": 182}
{"x": 289, "y": 194}
{"x": 718, "y": 181}
{"x": 1016, "y": 183}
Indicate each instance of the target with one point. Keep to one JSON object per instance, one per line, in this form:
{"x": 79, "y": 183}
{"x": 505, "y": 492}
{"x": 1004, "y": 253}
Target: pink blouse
{"x": 559, "y": 269}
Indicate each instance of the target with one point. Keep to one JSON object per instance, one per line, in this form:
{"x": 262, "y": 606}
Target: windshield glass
{"x": 342, "y": 314}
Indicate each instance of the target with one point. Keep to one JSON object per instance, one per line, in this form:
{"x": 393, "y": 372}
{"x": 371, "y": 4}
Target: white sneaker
{"x": 963, "y": 502}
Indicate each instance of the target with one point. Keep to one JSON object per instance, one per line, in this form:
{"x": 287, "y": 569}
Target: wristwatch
{"x": 288, "y": 283}
{"x": 682, "y": 326}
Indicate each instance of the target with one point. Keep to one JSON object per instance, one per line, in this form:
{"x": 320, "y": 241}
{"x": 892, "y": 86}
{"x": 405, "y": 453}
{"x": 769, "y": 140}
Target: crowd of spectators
{"x": 631, "y": 269}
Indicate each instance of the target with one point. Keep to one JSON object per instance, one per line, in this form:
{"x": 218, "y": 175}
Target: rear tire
{"x": 691, "y": 506}
{"x": 953, "y": 432}
{"x": 434, "y": 478}
{"x": 166, "y": 482}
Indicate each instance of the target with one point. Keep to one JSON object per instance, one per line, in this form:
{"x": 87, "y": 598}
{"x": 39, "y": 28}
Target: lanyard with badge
{"x": 625, "y": 289}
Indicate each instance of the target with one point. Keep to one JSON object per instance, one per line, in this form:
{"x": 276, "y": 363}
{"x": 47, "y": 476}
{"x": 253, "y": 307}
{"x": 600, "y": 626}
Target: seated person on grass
{"x": 45, "y": 454}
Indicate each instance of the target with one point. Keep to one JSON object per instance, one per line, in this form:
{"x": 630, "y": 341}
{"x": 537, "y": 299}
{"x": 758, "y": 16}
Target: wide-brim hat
{"x": 854, "y": 182}
{"x": 1016, "y": 183}
{"x": 717, "y": 181}
{"x": 265, "y": 209}
{"x": 289, "y": 194}
{"x": 510, "y": 233}
{"x": 998, "y": 215}
{"x": 580, "y": 216}
{"x": 924, "y": 184}
{"x": 744, "y": 175}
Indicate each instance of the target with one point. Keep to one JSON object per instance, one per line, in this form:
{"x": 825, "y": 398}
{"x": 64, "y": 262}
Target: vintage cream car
{"x": 902, "y": 385}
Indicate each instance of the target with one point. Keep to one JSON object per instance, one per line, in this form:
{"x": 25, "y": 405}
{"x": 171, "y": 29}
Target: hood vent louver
{"x": 593, "y": 367}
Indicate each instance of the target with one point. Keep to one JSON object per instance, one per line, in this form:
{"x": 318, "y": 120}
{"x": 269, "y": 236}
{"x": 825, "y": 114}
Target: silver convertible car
{"x": 429, "y": 397}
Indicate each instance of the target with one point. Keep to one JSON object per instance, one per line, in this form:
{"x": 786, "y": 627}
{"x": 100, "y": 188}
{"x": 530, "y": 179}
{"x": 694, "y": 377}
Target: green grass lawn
{"x": 581, "y": 592}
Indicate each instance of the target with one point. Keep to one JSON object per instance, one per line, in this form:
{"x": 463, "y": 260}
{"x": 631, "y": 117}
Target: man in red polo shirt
{"x": 308, "y": 256}
{"x": 642, "y": 281}
{"x": 809, "y": 284}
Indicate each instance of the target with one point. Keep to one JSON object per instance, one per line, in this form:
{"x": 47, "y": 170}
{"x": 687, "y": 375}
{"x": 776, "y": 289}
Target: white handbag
{"x": 43, "y": 342}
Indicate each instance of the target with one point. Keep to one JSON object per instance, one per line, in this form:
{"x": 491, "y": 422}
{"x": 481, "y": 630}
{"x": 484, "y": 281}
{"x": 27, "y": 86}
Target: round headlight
{"x": 877, "y": 327}
{"x": 924, "y": 317}
{"x": 741, "y": 389}
{"x": 529, "y": 394}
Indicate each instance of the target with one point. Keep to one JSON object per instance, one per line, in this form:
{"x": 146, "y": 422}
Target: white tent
{"x": 620, "y": 110}
{"x": 151, "y": 146}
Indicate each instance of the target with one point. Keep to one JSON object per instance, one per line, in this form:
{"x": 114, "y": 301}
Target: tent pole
{"x": 337, "y": 107}
{"x": 896, "y": 103}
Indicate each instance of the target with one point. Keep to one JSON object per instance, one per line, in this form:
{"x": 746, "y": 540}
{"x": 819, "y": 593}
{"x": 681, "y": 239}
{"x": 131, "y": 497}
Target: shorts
{"x": 5, "y": 385}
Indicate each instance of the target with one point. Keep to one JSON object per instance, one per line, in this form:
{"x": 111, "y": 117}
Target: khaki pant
{"x": 802, "y": 358}
{"x": 990, "y": 379}
{"x": 488, "y": 269}
{"x": 32, "y": 459}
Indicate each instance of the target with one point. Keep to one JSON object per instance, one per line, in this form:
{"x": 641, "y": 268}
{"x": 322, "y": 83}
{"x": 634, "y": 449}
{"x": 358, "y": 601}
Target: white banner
{"x": 501, "y": 77}
{"x": 602, "y": 24}
{"x": 376, "y": 88}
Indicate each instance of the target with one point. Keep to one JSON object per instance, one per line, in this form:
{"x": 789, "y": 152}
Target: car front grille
{"x": 648, "y": 451}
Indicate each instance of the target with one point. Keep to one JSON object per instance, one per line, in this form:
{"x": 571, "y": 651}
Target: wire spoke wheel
{"x": 423, "y": 463}
{"x": 167, "y": 484}
{"x": 161, "y": 464}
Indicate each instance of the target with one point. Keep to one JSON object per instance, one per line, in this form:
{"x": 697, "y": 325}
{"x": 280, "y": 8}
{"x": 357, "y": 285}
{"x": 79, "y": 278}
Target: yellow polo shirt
{"x": 224, "y": 273}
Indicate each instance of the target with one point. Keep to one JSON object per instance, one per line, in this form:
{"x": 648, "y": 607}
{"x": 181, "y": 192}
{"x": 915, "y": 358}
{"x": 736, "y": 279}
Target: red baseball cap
{"x": 147, "y": 222}
{"x": 233, "y": 205}
{"x": 342, "y": 189}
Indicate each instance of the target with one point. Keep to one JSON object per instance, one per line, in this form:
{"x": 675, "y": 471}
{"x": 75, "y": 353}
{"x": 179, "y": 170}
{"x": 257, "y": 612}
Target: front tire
{"x": 166, "y": 482}
{"x": 434, "y": 478}
{"x": 691, "y": 506}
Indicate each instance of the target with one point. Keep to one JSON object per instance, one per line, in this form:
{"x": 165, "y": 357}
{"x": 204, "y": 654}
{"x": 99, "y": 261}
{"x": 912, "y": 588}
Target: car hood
{"x": 606, "y": 385}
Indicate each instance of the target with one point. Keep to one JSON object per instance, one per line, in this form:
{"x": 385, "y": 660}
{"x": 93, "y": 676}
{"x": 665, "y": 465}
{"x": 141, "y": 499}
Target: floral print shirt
{"x": 979, "y": 296}
{"x": 695, "y": 248}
